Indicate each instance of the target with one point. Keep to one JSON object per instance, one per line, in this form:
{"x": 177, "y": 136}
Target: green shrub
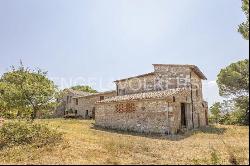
{"x": 23, "y": 133}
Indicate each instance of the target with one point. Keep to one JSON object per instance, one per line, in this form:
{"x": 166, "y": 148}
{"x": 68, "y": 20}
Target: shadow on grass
{"x": 175, "y": 137}
{"x": 212, "y": 129}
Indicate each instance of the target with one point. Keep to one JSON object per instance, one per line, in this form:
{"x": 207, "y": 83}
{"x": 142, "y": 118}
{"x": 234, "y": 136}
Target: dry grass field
{"x": 85, "y": 144}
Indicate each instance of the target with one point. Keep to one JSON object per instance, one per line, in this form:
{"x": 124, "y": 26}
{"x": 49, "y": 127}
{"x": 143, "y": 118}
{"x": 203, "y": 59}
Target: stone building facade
{"x": 66, "y": 102}
{"x": 85, "y": 105}
{"x": 168, "y": 100}
{"x": 80, "y": 104}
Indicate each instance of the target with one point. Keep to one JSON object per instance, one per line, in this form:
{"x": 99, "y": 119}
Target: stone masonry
{"x": 167, "y": 100}
{"x": 80, "y": 104}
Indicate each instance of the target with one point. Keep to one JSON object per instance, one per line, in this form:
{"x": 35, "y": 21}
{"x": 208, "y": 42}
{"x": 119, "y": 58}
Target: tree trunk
{"x": 247, "y": 117}
{"x": 33, "y": 114}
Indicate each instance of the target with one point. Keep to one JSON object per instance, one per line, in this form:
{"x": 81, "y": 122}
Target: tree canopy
{"x": 215, "y": 110}
{"x": 26, "y": 90}
{"x": 84, "y": 88}
{"x": 233, "y": 82}
{"x": 244, "y": 27}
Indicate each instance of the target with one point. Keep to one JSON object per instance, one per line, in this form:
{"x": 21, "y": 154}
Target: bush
{"x": 236, "y": 117}
{"x": 23, "y": 133}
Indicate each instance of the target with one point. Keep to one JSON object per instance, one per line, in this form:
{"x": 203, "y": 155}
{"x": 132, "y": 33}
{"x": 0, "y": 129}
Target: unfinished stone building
{"x": 165, "y": 101}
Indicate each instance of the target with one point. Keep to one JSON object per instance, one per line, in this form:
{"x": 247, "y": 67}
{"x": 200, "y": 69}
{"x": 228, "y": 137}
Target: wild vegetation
{"x": 16, "y": 133}
{"x": 233, "y": 83}
{"x": 83, "y": 143}
{"x": 25, "y": 93}
{"x": 84, "y": 88}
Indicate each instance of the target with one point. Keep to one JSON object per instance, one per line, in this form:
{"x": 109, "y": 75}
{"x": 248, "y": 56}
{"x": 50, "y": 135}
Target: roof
{"x": 96, "y": 94}
{"x": 138, "y": 76}
{"x": 77, "y": 93}
{"x": 147, "y": 95}
{"x": 199, "y": 72}
{"x": 193, "y": 67}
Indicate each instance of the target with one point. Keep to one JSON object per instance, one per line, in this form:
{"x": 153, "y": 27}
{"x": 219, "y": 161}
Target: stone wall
{"x": 83, "y": 106}
{"x": 172, "y": 77}
{"x": 164, "y": 77}
{"x": 149, "y": 116}
{"x": 157, "y": 116}
{"x": 86, "y": 105}
{"x": 136, "y": 85}
{"x": 197, "y": 96}
{"x": 184, "y": 76}
{"x": 69, "y": 101}
{"x": 173, "y": 71}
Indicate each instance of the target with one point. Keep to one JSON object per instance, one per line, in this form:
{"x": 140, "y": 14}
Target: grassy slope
{"x": 86, "y": 145}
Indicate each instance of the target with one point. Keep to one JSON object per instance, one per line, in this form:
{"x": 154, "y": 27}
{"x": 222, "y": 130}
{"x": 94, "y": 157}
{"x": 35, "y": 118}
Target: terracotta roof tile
{"x": 138, "y": 76}
{"x": 96, "y": 94}
{"x": 147, "y": 95}
{"x": 78, "y": 93}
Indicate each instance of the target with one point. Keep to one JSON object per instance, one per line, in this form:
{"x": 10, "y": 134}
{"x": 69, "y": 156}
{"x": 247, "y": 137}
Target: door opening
{"x": 183, "y": 115}
{"x": 206, "y": 116}
{"x": 87, "y": 113}
{"x": 199, "y": 121}
{"x": 93, "y": 113}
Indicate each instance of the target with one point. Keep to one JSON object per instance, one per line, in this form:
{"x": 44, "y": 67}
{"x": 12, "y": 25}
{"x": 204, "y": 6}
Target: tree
{"x": 215, "y": 110}
{"x": 244, "y": 27}
{"x": 242, "y": 110}
{"x": 233, "y": 82}
{"x": 84, "y": 88}
{"x": 227, "y": 106}
{"x": 28, "y": 91}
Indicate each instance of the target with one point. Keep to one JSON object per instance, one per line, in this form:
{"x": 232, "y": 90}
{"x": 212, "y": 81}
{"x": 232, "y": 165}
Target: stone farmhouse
{"x": 80, "y": 104}
{"x": 165, "y": 101}
{"x": 85, "y": 105}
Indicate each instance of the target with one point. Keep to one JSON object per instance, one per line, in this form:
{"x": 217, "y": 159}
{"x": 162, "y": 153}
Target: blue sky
{"x": 97, "y": 41}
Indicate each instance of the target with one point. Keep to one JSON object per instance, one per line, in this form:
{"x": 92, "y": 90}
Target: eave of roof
{"x": 96, "y": 94}
{"x": 147, "y": 95}
{"x": 199, "y": 72}
{"x": 78, "y": 93}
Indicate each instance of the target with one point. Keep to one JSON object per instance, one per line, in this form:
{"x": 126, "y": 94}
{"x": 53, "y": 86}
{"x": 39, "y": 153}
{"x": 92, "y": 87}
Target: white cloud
{"x": 210, "y": 83}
